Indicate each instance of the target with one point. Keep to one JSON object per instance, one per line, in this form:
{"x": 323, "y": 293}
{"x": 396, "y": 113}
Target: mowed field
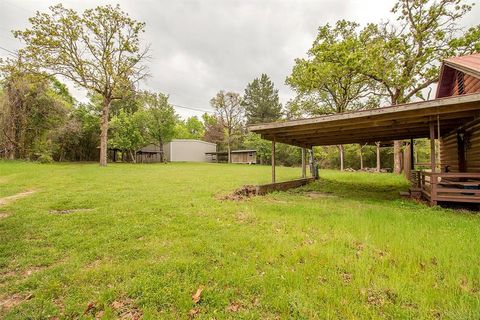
{"x": 138, "y": 241}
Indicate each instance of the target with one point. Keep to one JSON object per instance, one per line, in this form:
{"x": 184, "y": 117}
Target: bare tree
{"x": 229, "y": 110}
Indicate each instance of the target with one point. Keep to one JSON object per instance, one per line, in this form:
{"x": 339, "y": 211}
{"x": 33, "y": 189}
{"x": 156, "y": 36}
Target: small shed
{"x": 237, "y": 156}
{"x": 149, "y": 153}
{"x": 188, "y": 150}
{"x": 244, "y": 156}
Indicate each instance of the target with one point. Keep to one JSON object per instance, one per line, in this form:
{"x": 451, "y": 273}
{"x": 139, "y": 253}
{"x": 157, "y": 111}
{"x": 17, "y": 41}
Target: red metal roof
{"x": 469, "y": 64}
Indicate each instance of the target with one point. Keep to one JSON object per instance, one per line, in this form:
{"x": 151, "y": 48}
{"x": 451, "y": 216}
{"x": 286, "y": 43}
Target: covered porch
{"x": 453, "y": 121}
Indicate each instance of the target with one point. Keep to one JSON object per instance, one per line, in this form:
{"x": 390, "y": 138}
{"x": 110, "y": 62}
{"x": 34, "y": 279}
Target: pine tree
{"x": 261, "y": 101}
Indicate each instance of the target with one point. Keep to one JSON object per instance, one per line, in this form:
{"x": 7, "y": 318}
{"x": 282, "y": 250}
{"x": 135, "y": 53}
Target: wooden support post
{"x": 433, "y": 177}
{"x": 378, "y": 156}
{"x": 433, "y": 189}
{"x": 304, "y": 163}
{"x": 432, "y": 147}
{"x": 273, "y": 160}
{"x": 412, "y": 157}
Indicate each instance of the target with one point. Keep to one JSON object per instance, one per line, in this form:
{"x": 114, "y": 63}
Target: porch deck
{"x": 447, "y": 186}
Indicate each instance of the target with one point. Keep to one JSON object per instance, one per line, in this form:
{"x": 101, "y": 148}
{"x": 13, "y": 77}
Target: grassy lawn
{"x": 141, "y": 240}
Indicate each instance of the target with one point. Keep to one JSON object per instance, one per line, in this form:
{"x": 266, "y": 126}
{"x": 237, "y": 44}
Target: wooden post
{"x": 378, "y": 156}
{"x": 412, "y": 158}
{"x": 407, "y": 159}
{"x": 304, "y": 163}
{"x": 432, "y": 147}
{"x": 273, "y": 160}
{"x": 433, "y": 177}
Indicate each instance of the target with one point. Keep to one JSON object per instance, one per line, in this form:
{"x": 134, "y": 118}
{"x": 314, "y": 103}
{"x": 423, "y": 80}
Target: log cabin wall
{"x": 464, "y": 84}
{"x": 449, "y": 153}
{"x": 472, "y": 147}
{"x": 460, "y": 151}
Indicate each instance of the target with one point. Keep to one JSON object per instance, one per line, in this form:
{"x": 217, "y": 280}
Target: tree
{"x": 324, "y": 79}
{"x": 261, "y": 101}
{"x": 213, "y": 129}
{"x": 98, "y": 50}
{"x": 161, "y": 120}
{"x": 229, "y": 110}
{"x": 403, "y": 58}
{"x": 262, "y": 146}
{"x": 32, "y": 108}
{"x": 129, "y": 132}
{"x": 192, "y": 128}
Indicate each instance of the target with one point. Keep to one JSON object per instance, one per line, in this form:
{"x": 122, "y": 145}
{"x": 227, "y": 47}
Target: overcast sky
{"x": 201, "y": 47}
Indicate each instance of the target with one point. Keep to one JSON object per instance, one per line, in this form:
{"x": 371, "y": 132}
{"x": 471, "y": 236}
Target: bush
{"x": 45, "y": 158}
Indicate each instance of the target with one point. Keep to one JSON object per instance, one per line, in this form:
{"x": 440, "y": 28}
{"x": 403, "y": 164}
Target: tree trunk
{"x": 397, "y": 156}
{"x": 340, "y": 147}
{"x": 229, "y": 153}
{"x": 160, "y": 145}
{"x": 378, "y": 156}
{"x": 104, "y": 132}
{"x": 361, "y": 157}
{"x": 132, "y": 155}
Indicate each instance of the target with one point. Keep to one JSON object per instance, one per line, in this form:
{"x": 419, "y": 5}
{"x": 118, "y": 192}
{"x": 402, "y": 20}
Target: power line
{"x": 175, "y": 105}
{"x": 9, "y": 51}
{"x": 191, "y": 108}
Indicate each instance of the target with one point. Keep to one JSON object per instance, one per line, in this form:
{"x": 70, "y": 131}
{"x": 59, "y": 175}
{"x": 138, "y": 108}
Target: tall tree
{"x": 261, "y": 101}
{"x": 213, "y": 129}
{"x": 161, "y": 120}
{"x": 404, "y": 57}
{"x": 98, "y": 50}
{"x": 229, "y": 110}
{"x": 32, "y": 107}
{"x": 324, "y": 79}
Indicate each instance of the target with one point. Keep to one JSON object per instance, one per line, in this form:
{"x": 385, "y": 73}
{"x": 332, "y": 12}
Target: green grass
{"x": 345, "y": 247}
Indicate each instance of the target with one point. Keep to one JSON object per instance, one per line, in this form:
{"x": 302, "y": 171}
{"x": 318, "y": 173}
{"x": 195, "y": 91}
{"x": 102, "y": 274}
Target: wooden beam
{"x": 432, "y": 146}
{"x": 304, "y": 163}
{"x": 378, "y": 156}
{"x": 281, "y": 186}
{"x": 412, "y": 158}
{"x": 431, "y": 107}
{"x": 373, "y": 127}
{"x": 273, "y": 160}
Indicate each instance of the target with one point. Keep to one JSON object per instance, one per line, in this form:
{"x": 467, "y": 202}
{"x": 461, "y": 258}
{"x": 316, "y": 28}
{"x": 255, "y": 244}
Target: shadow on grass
{"x": 356, "y": 190}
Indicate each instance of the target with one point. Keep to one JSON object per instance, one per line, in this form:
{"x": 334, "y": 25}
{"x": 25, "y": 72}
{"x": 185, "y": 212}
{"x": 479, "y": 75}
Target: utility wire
{"x": 9, "y": 51}
{"x": 191, "y": 108}
{"x": 175, "y": 105}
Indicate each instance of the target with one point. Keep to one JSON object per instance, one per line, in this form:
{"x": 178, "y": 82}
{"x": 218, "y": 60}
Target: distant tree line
{"x": 347, "y": 68}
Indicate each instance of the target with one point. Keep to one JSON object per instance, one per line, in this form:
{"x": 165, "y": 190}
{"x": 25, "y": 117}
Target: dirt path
{"x": 7, "y": 200}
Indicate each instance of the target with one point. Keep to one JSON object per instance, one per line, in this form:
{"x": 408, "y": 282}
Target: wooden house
{"x": 453, "y": 118}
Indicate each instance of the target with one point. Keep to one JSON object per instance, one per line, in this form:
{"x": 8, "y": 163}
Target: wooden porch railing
{"x": 447, "y": 186}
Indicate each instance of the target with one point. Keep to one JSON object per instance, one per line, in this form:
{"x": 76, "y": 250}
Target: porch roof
{"x": 405, "y": 121}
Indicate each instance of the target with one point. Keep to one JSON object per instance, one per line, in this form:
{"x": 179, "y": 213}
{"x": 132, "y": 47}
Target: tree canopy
{"x": 261, "y": 101}
{"x": 99, "y": 50}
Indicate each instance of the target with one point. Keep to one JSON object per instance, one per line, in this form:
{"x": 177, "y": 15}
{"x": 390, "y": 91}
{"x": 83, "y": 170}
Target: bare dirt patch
{"x": 379, "y": 297}
{"x": 7, "y": 200}
{"x": 7, "y": 303}
{"x": 68, "y": 211}
{"x": 316, "y": 195}
{"x": 243, "y": 193}
{"x": 20, "y": 273}
{"x": 126, "y": 309}
{"x": 4, "y": 215}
